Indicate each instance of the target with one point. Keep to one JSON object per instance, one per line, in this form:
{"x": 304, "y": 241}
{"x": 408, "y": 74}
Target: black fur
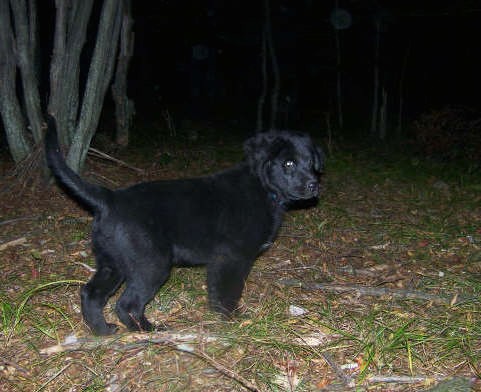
{"x": 224, "y": 220}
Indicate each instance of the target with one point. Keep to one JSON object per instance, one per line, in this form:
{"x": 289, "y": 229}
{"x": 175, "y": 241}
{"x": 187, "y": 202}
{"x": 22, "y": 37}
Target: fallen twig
{"x": 124, "y": 342}
{"x": 42, "y": 387}
{"x": 374, "y": 291}
{"x": 222, "y": 369}
{"x": 100, "y": 154}
{"x": 443, "y": 384}
{"x": 22, "y": 218}
{"x": 179, "y": 341}
{"x": 347, "y": 380}
{"x": 15, "y": 365}
{"x": 105, "y": 179}
{"x": 401, "y": 379}
{"x": 8, "y": 244}
{"x": 87, "y": 267}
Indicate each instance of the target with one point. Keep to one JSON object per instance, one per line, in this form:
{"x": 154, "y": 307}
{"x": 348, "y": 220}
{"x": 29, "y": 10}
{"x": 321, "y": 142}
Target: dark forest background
{"x": 436, "y": 45}
{"x": 428, "y": 57}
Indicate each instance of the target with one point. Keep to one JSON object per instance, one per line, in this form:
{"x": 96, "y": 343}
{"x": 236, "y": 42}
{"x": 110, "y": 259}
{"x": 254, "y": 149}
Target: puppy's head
{"x": 287, "y": 163}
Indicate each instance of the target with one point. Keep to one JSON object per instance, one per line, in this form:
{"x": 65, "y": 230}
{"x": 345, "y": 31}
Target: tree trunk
{"x": 13, "y": 121}
{"x": 26, "y": 43}
{"x": 21, "y": 108}
{"x": 99, "y": 77}
{"x": 262, "y": 97}
{"x": 70, "y": 34}
{"x": 375, "y": 100}
{"x": 401, "y": 91}
{"x": 340, "y": 117}
{"x": 383, "y": 115}
{"x": 124, "y": 107}
{"x": 275, "y": 66}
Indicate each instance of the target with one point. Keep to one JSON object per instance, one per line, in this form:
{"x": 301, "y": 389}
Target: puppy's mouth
{"x": 311, "y": 190}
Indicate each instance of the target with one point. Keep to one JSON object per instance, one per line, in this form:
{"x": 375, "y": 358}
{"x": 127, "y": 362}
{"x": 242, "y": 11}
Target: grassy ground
{"x": 377, "y": 288}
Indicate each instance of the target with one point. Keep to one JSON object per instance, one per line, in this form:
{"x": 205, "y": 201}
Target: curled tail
{"x": 90, "y": 196}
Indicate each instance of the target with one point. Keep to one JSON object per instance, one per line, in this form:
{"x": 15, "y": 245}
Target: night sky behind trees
{"x": 200, "y": 61}
{"x": 433, "y": 46}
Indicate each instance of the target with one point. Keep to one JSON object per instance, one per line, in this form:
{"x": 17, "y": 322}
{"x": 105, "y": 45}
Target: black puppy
{"x": 224, "y": 220}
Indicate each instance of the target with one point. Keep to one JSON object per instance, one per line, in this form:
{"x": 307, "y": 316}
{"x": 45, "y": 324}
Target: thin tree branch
{"x": 99, "y": 154}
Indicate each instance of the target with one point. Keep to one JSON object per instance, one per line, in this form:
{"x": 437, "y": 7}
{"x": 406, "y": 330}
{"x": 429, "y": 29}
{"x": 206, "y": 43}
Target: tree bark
{"x": 26, "y": 37}
{"x": 21, "y": 109}
{"x": 375, "y": 100}
{"x": 13, "y": 121}
{"x": 70, "y": 34}
{"x": 99, "y": 77}
{"x": 275, "y": 66}
{"x": 401, "y": 91}
{"x": 124, "y": 107}
{"x": 340, "y": 115}
{"x": 262, "y": 97}
{"x": 383, "y": 115}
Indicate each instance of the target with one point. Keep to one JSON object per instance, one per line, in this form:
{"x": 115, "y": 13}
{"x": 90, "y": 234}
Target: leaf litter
{"x": 379, "y": 234}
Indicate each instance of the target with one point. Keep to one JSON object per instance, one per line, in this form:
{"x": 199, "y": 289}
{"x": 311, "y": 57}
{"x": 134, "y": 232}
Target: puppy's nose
{"x": 313, "y": 187}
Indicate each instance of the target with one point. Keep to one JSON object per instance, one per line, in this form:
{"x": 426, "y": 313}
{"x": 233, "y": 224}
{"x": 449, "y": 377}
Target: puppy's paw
{"x": 223, "y": 311}
{"x": 105, "y": 330}
{"x": 160, "y": 328}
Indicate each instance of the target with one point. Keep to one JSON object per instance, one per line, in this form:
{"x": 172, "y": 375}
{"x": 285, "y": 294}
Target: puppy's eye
{"x": 289, "y": 164}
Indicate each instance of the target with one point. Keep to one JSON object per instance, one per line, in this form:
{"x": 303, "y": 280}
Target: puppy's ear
{"x": 318, "y": 159}
{"x": 257, "y": 149}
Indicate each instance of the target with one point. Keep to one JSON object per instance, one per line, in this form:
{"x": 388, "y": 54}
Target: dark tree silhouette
{"x": 268, "y": 49}
{"x": 124, "y": 107}
{"x": 77, "y": 116}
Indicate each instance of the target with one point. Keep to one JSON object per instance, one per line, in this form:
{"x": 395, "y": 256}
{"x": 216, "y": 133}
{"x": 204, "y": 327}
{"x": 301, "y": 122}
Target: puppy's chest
{"x": 276, "y": 224}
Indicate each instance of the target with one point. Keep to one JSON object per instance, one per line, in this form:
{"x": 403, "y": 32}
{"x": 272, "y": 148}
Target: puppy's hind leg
{"x": 139, "y": 291}
{"x": 94, "y": 296}
{"x": 225, "y": 282}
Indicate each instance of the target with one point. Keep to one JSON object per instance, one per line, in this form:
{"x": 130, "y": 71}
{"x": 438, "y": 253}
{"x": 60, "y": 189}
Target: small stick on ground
{"x": 125, "y": 342}
{"x": 22, "y": 218}
{"x": 53, "y": 377}
{"x": 177, "y": 341}
{"x": 8, "y": 244}
{"x": 443, "y": 384}
{"x": 222, "y": 369}
{"x": 401, "y": 379}
{"x": 14, "y": 365}
{"x": 374, "y": 291}
{"x": 100, "y": 154}
{"x": 347, "y": 381}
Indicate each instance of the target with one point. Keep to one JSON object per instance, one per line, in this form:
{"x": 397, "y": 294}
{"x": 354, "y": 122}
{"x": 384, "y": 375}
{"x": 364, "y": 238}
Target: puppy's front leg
{"x": 225, "y": 282}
